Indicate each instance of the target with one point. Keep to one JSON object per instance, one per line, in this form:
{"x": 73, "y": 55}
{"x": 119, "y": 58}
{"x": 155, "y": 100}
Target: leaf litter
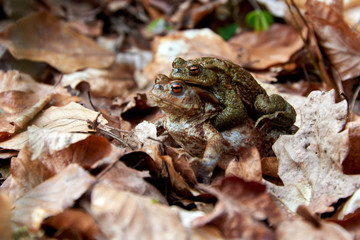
{"x": 97, "y": 170}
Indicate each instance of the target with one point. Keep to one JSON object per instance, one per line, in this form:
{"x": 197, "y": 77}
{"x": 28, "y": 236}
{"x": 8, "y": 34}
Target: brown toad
{"x": 188, "y": 111}
{"x": 238, "y": 92}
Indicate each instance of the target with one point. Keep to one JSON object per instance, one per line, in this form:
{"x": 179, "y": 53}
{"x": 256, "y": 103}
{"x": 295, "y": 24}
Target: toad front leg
{"x": 274, "y": 111}
{"x": 203, "y": 167}
{"x": 232, "y": 115}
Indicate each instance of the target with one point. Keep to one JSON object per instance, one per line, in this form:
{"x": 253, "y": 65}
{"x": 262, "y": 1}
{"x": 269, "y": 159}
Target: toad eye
{"x": 176, "y": 88}
{"x": 194, "y": 70}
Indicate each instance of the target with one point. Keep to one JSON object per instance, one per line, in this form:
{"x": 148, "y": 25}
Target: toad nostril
{"x": 176, "y": 70}
{"x": 159, "y": 87}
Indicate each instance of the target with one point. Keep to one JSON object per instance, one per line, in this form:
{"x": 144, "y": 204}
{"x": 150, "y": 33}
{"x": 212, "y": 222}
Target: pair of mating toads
{"x": 213, "y": 106}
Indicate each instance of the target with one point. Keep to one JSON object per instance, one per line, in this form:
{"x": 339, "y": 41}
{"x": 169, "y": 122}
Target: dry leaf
{"x": 124, "y": 215}
{"x": 43, "y": 37}
{"x": 48, "y": 152}
{"x": 21, "y": 98}
{"x": 266, "y": 48}
{"x": 71, "y": 118}
{"x": 350, "y": 207}
{"x": 310, "y": 160}
{"x": 340, "y": 43}
{"x": 127, "y": 179}
{"x": 5, "y": 217}
{"x": 181, "y": 164}
{"x": 51, "y": 197}
{"x": 142, "y": 136}
{"x": 241, "y": 210}
{"x": 163, "y": 168}
{"x": 298, "y": 229}
{"x": 247, "y": 167}
{"x": 74, "y": 224}
{"x": 348, "y": 216}
{"x": 351, "y": 164}
{"x": 269, "y": 166}
{"x": 18, "y": 109}
{"x": 186, "y": 44}
{"x": 102, "y": 82}
{"x": 16, "y": 81}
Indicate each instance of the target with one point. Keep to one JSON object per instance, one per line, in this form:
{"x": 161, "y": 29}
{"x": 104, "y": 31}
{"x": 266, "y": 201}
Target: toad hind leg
{"x": 203, "y": 167}
{"x": 274, "y": 111}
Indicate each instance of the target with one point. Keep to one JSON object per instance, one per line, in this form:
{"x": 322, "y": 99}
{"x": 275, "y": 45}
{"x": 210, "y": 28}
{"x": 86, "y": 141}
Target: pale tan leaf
{"x": 43, "y": 37}
{"x": 298, "y": 229}
{"x": 21, "y": 99}
{"x": 310, "y": 160}
{"x": 49, "y": 152}
{"x": 67, "y": 119}
{"x": 140, "y": 136}
{"x": 351, "y": 205}
{"x": 124, "y": 178}
{"x": 48, "y": 141}
{"x": 16, "y": 81}
{"x": 51, "y": 197}
{"x": 70, "y": 118}
{"x": 124, "y": 215}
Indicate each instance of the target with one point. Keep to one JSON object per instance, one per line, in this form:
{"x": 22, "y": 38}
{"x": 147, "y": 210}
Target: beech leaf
{"x": 5, "y": 217}
{"x": 124, "y": 215}
{"x": 66, "y": 119}
{"x": 43, "y": 37}
{"x": 51, "y": 197}
{"x": 340, "y": 43}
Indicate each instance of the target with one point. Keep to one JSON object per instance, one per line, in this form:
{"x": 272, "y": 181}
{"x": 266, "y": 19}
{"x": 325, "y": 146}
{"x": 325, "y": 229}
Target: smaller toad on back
{"x": 188, "y": 111}
{"x": 237, "y": 90}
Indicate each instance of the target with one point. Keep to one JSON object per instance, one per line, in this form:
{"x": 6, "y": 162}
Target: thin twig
{"x": 91, "y": 103}
{"x": 102, "y": 130}
{"x": 154, "y": 139}
{"x": 107, "y": 169}
{"x": 117, "y": 129}
{"x": 320, "y": 68}
{"x": 298, "y": 28}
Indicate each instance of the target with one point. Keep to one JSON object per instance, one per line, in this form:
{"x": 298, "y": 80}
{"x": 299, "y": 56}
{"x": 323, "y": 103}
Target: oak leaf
{"x": 310, "y": 160}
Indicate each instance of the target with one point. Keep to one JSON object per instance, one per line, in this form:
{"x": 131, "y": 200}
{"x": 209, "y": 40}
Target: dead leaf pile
{"x": 82, "y": 158}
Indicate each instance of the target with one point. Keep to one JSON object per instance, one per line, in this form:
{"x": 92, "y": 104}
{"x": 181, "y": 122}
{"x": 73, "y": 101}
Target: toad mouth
{"x": 169, "y": 102}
